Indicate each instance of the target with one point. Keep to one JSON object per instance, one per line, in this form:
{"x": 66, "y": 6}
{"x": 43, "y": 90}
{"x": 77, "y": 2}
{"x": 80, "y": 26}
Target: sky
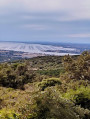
{"x": 45, "y": 20}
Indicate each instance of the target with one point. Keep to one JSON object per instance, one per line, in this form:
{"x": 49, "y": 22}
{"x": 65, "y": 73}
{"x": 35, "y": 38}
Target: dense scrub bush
{"x": 51, "y": 73}
{"x": 48, "y": 83}
{"x": 15, "y": 75}
{"x": 8, "y": 114}
{"x": 68, "y": 84}
{"x": 78, "y": 69}
{"x": 46, "y": 62}
{"x": 1, "y": 103}
{"x": 50, "y": 105}
{"x": 80, "y": 96}
{"x": 67, "y": 97}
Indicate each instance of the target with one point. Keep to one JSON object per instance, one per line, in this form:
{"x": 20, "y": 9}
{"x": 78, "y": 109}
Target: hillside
{"x": 46, "y": 87}
{"x": 36, "y": 48}
{"x": 42, "y": 49}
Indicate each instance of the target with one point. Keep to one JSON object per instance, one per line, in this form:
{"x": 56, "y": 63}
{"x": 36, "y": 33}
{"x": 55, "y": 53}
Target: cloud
{"x": 34, "y": 26}
{"x": 87, "y": 35}
{"x": 55, "y": 20}
{"x": 72, "y": 9}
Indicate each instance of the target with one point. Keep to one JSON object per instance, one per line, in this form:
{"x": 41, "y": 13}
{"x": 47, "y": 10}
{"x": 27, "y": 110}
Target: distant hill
{"x": 38, "y": 48}
{"x": 10, "y": 51}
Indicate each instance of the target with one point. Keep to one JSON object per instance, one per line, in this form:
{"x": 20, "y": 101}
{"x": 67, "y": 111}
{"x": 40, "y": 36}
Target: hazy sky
{"x": 45, "y": 20}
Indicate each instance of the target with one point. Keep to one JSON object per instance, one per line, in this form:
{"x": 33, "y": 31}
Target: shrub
{"x": 48, "y": 83}
{"x": 8, "y": 114}
{"x": 81, "y": 96}
{"x": 15, "y": 76}
{"x": 79, "y": 68}
{"x": 51, "y": 73}
{"x": 50, "y": 105}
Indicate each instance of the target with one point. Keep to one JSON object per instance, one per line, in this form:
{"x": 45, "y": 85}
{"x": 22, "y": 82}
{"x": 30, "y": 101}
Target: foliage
{"x": 79, "y": 68}
{"x": 80, "y": 96}
{"x": 50, "y": 105}
{"x": 51, "y": 73}
{"x": 8, "y": 114}
{"x": 49, "y": 92}
{"x": 15, "y": 75}
{"x": 46, "y": 62}
{"x": 48, "y": 83}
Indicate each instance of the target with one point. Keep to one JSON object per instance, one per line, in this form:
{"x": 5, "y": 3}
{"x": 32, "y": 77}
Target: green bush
{"x": 79, "y": 68}
{"x": 80, "y": 96}
{"x": 48, "y": 83}
{"x": 51, "y": 73}
{"x": 50, "y": 105}
{"x": 15, "y": 76}
{"x": 8, "y": 114}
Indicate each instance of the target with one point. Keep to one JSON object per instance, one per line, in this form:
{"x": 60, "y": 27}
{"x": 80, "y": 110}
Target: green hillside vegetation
{"x": 48, "y": 83}
{"x": 48, "y": 87}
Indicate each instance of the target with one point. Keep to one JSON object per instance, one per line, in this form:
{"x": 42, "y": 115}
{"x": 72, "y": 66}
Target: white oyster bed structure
{"x": 35, "y": 48}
